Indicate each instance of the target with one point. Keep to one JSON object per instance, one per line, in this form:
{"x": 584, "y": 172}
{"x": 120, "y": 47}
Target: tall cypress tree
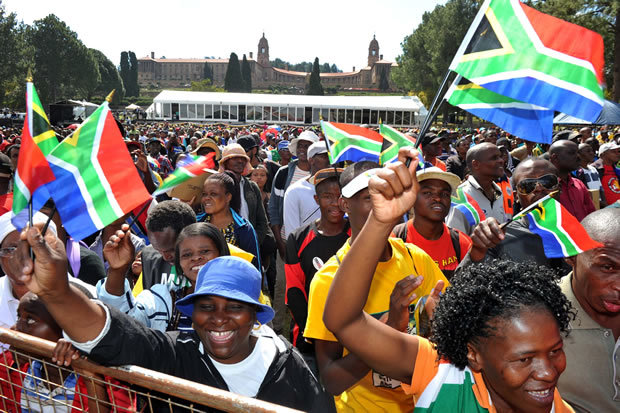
{"x": 133, "y": 74}
{"x": 246, "y": 74}
{"x": 125, "y": 72}
{"x": 233, "y": 81}
{"x": 314, "y": 86}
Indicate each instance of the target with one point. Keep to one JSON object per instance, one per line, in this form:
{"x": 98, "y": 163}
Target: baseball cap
{"x": 609, "y": 146}
{"x": 317, "y": 148}
{"x": 359, "y": 183}
{"x": 431, "y": 138}
{"x": 434, "y": 172}
{"x": 324, "y": 174}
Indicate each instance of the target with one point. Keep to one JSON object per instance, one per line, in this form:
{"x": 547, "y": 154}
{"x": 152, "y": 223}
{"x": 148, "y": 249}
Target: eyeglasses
{"x": 7, "y": 252}
{"x": 528, "y": 185}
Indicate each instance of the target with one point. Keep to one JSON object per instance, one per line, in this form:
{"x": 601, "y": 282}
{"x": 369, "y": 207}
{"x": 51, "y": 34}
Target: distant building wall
{"x": 164, "y": 72}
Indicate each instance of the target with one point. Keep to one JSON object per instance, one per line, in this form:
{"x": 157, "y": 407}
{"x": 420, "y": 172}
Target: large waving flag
{"x": 33, "y": 170}
{"x": 562, "y": 235}
{"x": 519, "y": 52}
{"x": 196, "y": 166}
{"x": 524, "y": 120}
{"x": 468, "y": 206}
{"x": 351, "y": 142}
{"x": 96, "y": 179}
{"x": 393, "y": 140}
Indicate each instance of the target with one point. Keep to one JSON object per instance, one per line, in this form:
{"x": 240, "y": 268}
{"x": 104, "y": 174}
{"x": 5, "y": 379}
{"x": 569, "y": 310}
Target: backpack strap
{"x": 454, "y": 237}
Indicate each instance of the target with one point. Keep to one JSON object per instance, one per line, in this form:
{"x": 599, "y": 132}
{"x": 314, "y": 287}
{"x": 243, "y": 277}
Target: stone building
{"x": 165, "y": 72}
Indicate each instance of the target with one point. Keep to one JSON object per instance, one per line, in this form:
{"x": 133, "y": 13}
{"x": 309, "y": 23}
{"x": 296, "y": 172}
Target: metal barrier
{"x": 28, "y": 381}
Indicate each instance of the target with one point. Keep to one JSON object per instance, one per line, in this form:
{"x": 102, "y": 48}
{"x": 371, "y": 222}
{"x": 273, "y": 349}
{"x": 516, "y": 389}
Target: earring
{"x": 259, "y": 326}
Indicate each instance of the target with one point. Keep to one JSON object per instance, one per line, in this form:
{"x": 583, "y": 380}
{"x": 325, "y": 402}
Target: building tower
{"x": 373, "y": 51}
{"x": 263, "y": 52}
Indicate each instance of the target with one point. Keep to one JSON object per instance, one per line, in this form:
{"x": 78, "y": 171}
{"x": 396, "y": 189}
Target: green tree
{"x": 384, "y": 83}
{"x": 133, "y": 75}
{"x": 233, "y": 81}
{"x": 428, "y": 51}
{"x": 124, "y": 72}
{"x": 16, "y": 58}
{"x": 601, "y": 16}
{"x": 205, "y": 85}
{"x": 64, "y": 67}
{"x": 207, "y": 72}
{"x": 314, "y": 85}
{"x": 246, "y": 74}
{"x": 110, "y": 78}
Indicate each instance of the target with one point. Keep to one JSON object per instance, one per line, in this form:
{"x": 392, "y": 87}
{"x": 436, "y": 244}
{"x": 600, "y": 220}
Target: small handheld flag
{"x": 393, "y": 140}
{"x": 562, "y": 235}
{"x": 351, "y": 142}
{"x": 96, "y": 179}
{"x": 468, "y": 206}
{"x": 33, "y": 170}
{"x": 194, "y": 167}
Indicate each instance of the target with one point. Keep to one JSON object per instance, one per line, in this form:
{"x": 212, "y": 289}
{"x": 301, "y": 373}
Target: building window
{"x": 217, "y": 112}
{"x": 191, "y": 111}
{"x": 208, "y": 111}
{"x": 358, "y": 116}
{"x": 398, "y": 119}
{"x": 267, "y": 113}
{"x": 183, "y": 111}
{"x": 341, "y": 113}
{"x": 233, "y": 112}
{"x": 373, "y": 117}
{"x": 349, "y": 116}
{"x": 166, "y": 110}
{"x": 200, "y": 111}
{"x": 315, "y": 115}
{"x": 275, "y": 113}
{"x": 333, "y": 115}
{"x": 406, "y": 118}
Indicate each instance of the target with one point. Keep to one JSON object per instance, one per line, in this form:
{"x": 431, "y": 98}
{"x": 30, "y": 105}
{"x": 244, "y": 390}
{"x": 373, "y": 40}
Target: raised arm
{"x": 393, "y": 191}
{"x": 81, "y": 318}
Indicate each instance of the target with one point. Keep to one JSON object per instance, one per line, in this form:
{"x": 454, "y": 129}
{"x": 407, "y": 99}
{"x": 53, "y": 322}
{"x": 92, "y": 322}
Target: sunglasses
{"x": 528, "y": 185}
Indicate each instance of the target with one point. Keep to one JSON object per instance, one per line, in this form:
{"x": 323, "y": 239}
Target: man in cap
{"x": 355, "y": 386}
{"x": 431, "y": 148}
{"x": 591, "y": 381}
{"x": 308, "y": 248}
{"x": 609, "y": 154}
{"x": 285, "y": 177}
{"x": 154, "y": 147}
{"x": 299, "y": 206}
{"x": 486, "y": 165}
{"x": 446, "y": 246}
{"x": 251, "y": 148}
{"x": 284, "y": 152}
{"x": 574, "y": 196}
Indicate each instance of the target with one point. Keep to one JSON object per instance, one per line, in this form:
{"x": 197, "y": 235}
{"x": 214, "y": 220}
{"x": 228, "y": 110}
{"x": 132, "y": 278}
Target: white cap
{"x": 317, "y": 148}
{"x": 6, "y": 227}
{"x": 359, "y": 182}
{"x": 609, "y": 146}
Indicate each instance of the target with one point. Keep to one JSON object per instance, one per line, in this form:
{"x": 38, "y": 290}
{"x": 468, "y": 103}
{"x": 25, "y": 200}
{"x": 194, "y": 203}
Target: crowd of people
{"x": 350, "y": 287}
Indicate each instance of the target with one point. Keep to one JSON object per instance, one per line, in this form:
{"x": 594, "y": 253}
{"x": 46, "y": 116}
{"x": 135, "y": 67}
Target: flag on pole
{"x": 33, "y": 170}
{"x": 96, "y": 179}
{"x": 516, "y": 51}
{"x": 468, "y": 206}
{"x": 347, "y": 142}
{"x": 196, "y": 165}
{"x": 393, "y": 140}
{"x": 524, "y": 120}
{"x": 562, "y": 235}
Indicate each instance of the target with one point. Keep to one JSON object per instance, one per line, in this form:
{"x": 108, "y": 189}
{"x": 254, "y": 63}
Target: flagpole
{"x": 429, "y": 118}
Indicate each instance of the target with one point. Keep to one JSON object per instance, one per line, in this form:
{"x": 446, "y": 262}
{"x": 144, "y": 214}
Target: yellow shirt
{"x": 374, "y": 393}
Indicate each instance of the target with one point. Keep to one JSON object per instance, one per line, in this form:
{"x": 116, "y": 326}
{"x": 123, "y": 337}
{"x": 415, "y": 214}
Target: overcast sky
{"x": 335, "y": 31}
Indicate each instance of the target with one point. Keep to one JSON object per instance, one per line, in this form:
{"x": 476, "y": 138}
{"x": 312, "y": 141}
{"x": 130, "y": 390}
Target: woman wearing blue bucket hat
{"x": 230, "y": 347}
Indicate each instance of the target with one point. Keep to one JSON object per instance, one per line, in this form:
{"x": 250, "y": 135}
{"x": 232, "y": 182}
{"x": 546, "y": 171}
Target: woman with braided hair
{"x": 497, "y": 333}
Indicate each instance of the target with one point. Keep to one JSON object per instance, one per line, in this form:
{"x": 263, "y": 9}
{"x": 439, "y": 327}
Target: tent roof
{"x": 610, "y": 115}
{"x": 411, "y": 103}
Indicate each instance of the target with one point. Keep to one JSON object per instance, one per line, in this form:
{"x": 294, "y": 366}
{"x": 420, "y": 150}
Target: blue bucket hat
{"x": 228, "y": 277}
{"x": 283, "y": 144}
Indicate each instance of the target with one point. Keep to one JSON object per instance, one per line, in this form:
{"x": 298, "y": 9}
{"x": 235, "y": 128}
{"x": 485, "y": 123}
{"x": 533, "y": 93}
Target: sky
{"x": 335, "y": 31}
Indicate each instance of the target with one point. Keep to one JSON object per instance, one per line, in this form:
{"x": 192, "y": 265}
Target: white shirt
{"x": 300, "y": 208}
{"x": 246, "y": 376}
{"x": 8, "y": 306}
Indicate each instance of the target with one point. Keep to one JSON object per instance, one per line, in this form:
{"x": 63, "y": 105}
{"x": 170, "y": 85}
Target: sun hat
{"x": 234, "y": 150}
{"x": 324, "y": 174}
{"x": 6, "y": 226}
{"x": 317, "y": 148}
{"x": 228, "y": 277}
{"x": 306, "y": 135}
{"x": 359, "y": 183}
{"x": 434, "y": 172}
{"x": 208, "y": 143}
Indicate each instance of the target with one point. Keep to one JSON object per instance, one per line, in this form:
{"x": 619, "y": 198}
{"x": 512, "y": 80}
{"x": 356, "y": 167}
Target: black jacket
{"x": 288, "y": 382}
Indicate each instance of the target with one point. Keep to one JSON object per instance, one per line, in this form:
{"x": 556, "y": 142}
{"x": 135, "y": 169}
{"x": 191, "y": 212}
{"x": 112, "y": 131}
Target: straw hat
{"x": 234, "y": 150}
{"x": 208, "y": 143}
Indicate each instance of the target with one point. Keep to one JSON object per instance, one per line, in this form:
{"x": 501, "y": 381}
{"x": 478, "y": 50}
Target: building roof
{"x": 411, "y": 103}
{"x": 187, "y": 60}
